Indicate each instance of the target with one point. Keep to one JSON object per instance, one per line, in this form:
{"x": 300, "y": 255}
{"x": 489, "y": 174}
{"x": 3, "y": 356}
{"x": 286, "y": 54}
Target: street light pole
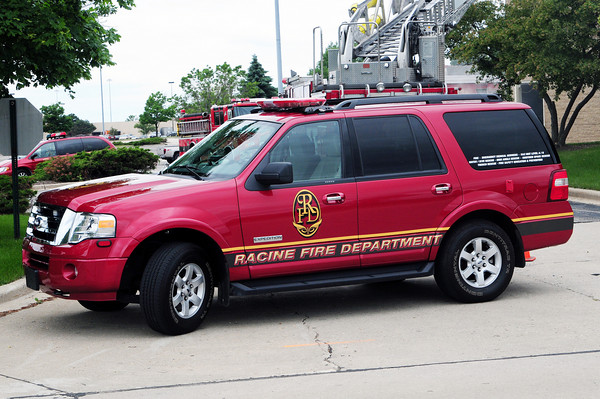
{"x": 278, "y": 40}
{"x": 102, "y": 100}
{"x": 172, "y": 121}
{"x": 109, "y": 100}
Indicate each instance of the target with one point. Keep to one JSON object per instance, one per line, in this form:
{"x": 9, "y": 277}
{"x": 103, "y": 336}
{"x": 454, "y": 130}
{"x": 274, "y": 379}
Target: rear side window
{"x": 395, "y": 144}
{"x": 93, "y": 144}
{"x": 499, "y": 139}
{"x": 69, "y": 147}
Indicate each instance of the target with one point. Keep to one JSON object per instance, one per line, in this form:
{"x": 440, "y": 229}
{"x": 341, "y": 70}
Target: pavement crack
{"x": 325, "y": 347}
{"x": 31, "y": 305}
{"x": 52, "y": 391}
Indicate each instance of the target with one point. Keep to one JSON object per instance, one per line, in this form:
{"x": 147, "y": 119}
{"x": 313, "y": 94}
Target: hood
{"x": 87, "y": 196}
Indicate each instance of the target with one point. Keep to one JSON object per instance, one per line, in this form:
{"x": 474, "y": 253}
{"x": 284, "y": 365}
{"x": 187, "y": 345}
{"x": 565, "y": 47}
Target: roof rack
{"x": 427, "y": 99}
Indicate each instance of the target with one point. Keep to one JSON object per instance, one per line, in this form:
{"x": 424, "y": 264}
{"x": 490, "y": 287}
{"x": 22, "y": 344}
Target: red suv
{"x": 302, "y": 195}
{"x": 55, "y": 146}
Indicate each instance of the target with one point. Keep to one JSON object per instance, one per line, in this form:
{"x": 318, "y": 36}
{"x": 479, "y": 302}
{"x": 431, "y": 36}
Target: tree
{"x": 55, "y": 119}
{"x": 204, "y": 88}
{"x": 555, "y": 43}
{"x": 325, "y": 58}
{"x": 54, "y": 43}
{"x": 257, "y": 74}
{"x": 144, "y": 128}
{"x": 156, "y": 111}
{"x": 80, "y": 126}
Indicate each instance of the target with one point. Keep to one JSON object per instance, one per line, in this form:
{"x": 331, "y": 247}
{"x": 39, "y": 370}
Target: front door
{"x": 304, "y": 226}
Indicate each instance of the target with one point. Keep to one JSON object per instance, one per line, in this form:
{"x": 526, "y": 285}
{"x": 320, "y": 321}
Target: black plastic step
{"x": 331, "y": 279}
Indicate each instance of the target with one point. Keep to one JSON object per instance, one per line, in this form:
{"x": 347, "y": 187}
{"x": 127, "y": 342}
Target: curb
{"x": 580, "y": 194}
{"x": 13, "y": 290}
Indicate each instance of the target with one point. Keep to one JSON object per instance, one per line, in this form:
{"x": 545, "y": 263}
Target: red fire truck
{"x": 194, "y": 127}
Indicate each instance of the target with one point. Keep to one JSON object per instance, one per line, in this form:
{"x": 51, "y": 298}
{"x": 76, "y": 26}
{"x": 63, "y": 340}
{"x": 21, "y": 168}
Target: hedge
{"x": 97, "y": 164}
{"x": 6, "y": 198}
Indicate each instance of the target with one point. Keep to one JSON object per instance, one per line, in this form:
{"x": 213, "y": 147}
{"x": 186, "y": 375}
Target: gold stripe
{"x": 343, "y": 238}
{"x": 542, "y": 217}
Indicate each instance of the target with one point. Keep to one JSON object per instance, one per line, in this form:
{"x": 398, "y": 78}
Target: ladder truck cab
{"x": 194, "y": 127}
{"x": 385, "y": 51}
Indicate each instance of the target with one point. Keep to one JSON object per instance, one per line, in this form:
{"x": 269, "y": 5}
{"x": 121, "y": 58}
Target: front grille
{"x": 44, "y": 221}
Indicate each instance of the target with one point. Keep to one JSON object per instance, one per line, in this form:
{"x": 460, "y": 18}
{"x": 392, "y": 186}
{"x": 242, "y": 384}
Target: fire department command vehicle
{"x": 303, "y": 195}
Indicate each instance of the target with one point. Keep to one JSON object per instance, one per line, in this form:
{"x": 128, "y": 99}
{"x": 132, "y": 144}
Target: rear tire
{"x": 103, "y": 306}
{"x": 476, "y": 263}
{"x": 177, "y": 288}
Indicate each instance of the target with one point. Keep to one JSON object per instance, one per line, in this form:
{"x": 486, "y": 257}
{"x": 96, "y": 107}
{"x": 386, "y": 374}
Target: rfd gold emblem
{"x": 307, "y": 213}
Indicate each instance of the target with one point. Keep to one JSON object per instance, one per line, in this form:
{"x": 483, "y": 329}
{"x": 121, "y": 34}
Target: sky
{"x": 162, "y": 41}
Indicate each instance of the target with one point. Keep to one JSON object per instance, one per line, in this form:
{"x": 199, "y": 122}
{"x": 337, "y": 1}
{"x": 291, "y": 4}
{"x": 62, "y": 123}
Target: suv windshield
{"x": 226, "y": 152}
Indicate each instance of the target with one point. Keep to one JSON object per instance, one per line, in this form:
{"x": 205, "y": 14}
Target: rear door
{"x": 302, "y": 227}
{"x": 404, "y": 189}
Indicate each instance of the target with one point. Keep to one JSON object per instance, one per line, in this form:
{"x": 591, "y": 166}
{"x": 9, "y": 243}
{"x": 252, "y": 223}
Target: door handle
{"x": 334, "y": 198}
{"x": 442, "y": 188}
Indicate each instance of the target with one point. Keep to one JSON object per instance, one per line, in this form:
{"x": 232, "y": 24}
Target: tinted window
{"x": 68, "y": 146}
{"x": 314, "y": 149}
{"x": 93, "y": 144}
{"x": 499, "y": 139}
{"x": 396, "y": 144}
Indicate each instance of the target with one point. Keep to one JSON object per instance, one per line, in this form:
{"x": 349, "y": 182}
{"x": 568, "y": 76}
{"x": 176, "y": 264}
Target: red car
{"x": 57, "y": 145}
{"x": 303, "y": 196}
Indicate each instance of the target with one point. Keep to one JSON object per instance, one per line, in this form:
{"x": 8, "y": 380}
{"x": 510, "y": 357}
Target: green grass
{"x": 11, "y": 267}
{"x": 582, "y": 162}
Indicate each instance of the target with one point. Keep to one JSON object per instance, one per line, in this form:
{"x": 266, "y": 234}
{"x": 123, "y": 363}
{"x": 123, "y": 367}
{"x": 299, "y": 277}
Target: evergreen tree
{"x": 257, "y": 74}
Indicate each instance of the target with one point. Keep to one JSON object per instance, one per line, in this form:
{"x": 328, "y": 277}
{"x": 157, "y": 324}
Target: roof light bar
{"x": 278, "y": 104}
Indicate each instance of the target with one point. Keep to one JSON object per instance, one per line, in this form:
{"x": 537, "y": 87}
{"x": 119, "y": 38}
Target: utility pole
{"x": 102, "y": 100}
{"x": 278, "y": 40}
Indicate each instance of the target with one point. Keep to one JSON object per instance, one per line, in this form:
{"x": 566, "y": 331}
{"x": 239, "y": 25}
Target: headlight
{"x": 78, "y": 226}
{"x": 92, "y": 225}
{"x": 4, "y": 169}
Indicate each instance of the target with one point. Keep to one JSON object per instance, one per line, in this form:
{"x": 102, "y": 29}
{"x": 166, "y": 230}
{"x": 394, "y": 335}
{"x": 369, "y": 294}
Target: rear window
{"x": 93, "y": 144}
{"x": 499, "y": 139}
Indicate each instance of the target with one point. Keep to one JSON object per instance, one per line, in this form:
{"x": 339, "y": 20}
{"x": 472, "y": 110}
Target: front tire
{"x": 476, "y": 263}
{"x": 177, "y": 288}
{"x": 23, "y": 172}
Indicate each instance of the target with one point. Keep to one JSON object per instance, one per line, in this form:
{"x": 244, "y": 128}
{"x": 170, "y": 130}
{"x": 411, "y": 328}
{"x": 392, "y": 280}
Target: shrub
{"x": 6, "y": 197}
{"x": 137, "y": 143}
{"x": 97, "y": 164}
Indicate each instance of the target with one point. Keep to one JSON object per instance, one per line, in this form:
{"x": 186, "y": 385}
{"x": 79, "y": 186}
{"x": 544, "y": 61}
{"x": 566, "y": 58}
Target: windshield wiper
{"x": 191, "y": 169}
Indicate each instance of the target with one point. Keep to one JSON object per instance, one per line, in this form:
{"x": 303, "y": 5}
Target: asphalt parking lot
{"x": 539, "y": 339}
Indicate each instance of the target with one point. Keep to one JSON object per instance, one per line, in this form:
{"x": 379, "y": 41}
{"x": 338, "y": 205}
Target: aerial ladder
{"x": 389, "y": 50}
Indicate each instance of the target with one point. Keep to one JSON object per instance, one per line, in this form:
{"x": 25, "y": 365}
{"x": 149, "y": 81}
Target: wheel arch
{"x": 137, "y": 261}
{"x": 494, "y": 216}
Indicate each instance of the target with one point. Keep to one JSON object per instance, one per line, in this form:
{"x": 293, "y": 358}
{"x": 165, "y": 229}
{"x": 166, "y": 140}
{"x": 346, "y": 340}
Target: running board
{"x": 331, "y": 279}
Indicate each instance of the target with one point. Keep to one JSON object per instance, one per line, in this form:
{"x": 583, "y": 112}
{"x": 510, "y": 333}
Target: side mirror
{"x": 276, "y": 173}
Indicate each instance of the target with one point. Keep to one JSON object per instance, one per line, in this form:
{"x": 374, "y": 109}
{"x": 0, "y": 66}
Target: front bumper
{"x": 74, "y": 272}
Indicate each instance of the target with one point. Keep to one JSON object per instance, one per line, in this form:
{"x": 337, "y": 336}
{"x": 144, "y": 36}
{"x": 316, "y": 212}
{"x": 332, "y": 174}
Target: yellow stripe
{"x": 343, "y": 238}
{"x": 542, "y": 217}
{"x": 379, "y": 235}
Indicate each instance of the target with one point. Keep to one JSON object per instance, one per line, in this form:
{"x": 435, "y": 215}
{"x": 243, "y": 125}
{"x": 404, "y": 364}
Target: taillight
{"x": 559, "y": 185}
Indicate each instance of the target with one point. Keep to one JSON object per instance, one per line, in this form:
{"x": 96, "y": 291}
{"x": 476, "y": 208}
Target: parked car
{"x": 307, "y": 196}
{"x": 57, "y": 145}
